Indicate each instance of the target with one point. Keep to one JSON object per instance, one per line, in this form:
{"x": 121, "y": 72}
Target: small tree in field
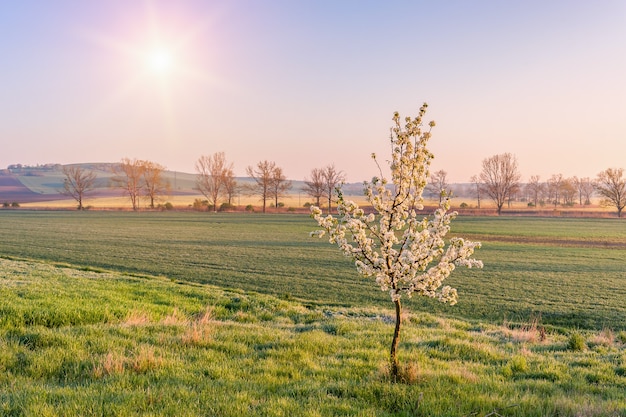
{"x": 77, "y": 183}
{"x": 611, "y": 185}
{"x": 405, "y": 254}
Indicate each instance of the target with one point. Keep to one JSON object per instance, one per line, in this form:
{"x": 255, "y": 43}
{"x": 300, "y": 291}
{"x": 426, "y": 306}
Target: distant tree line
{"x": 499, "y": 181}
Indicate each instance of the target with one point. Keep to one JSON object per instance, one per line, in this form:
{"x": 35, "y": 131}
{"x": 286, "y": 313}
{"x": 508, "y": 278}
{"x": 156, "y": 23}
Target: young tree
{"x": 213, "y": 173}
{"x": 585, "y": 187}
{"x": 611, "y": 185}
{"x": 477, "y": 187}
{"x": 535, "y": 188}
{"x": 279, "y": 185}
{"x": 154, "y": 185}
{"x": 555, "y": 185}
{"x": 263, "y": 176}
{"x": 500, "y": 178}
{"x": 569, "y": 191}
{"x": 127, "y": 176}
{"x": 332, "y": 178}
{"x": 396, "y": 247}
{"x": 77, "y": 183}
{"x": 231, "y": 187}
{"x": 316, "y": 186}
{"x": 439, "y": 186}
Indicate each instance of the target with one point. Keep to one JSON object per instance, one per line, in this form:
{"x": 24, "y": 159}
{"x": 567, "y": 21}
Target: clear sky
{"x": 306, "y": 83}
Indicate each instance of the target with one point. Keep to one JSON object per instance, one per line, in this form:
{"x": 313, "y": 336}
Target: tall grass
{"x": 78, "y": 343}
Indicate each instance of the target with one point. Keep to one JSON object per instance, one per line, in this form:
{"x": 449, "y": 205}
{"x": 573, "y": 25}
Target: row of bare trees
{"x": 499, "y": 180}
{"x": 322, "y": 183}
{"x": 216, "y": 180}
{"x": 137, "y": 178}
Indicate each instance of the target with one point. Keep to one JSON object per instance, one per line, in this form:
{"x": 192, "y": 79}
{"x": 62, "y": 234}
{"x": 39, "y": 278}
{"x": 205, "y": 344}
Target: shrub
{"x": 226, "y": 207}
{"x": 6, "y": 204}
{"x": 15, "y": 204}
{"x": 200, "y": 205}
{"x": 249, "y": 207}
{"x": 576, "y": 342}
{"x": 464, "y": 205}
{"x": 307, "y": 204}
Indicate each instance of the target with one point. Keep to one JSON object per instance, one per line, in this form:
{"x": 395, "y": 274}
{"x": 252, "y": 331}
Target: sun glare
{"x": 160, "y": 61}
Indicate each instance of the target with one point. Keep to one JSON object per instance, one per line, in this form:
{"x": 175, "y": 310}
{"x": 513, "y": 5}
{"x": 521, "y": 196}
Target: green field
{"x": 196, "y": 314}
{"x": 570, "y": 271}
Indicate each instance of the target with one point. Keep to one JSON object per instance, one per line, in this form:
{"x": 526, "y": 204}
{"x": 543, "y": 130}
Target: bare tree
{"x": 438, "y": 185}
{"x": 568, "y": 191}
{"x": 263, "y": 176}
{"x": 128, "y": 176}
{"x": 332, "y": 178}
{"x": 279, "y": 185}
{"x": 585, "y": 187}
{"x": 316, "y": 186}
{"x": 213, "y": 173}
{"x": 555, "y": 186}
{"x": 500, "y": 178}
{"x": 611, "y": 185}
{"x": 154, "y": 184}
{"x": 535, "y": 188}
{"x": 77, "y": 183}
{"x": 231, "y": 187}
{"x": 477, "y": 187}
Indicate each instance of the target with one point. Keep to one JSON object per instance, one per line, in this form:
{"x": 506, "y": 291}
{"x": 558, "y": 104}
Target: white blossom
{"x": 405, "y": 253}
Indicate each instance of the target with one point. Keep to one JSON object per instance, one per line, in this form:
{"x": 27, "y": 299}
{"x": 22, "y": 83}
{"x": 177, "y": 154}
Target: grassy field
{"x": 568, "y": 271}
{"x": 201, "y": 314}
{"x": 76, "y": 342}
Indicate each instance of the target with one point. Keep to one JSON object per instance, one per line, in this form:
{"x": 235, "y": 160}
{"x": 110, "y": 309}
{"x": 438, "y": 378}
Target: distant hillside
{"x": 24, "y": 184}
{"x": 12, "y": 190}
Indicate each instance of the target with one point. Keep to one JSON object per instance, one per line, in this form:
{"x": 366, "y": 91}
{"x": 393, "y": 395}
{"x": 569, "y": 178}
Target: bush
{"x": 200, "y": 205}
{"x": 6, "y": 204}
{"x": 576, "y": 342}
{"x": 307, "y": 204}
{"x": 15, "y": 204}
{"x": 227, "y": 206}
{"x": 464, "y": 205}
{"x": 166, "y": 206}
{"x": 249, "y": 207}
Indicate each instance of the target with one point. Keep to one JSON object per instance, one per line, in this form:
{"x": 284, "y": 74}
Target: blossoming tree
{"x": 406, "y": 253}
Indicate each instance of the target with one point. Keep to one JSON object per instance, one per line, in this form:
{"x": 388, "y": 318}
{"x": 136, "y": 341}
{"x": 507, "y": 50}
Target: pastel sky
{"x": 306, "y": 83}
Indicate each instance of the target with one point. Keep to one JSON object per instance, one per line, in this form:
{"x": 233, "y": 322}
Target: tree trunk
{"x": 394, "y": 343}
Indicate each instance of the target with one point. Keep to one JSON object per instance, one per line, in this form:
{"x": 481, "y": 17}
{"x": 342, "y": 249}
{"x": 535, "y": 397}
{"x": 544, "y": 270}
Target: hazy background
{"x": 307, "y": 83}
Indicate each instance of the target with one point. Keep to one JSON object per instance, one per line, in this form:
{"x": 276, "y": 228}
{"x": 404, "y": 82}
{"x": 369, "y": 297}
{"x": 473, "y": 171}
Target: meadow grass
{"x": 83, "y": 343}
{"x": 558, "y": 269}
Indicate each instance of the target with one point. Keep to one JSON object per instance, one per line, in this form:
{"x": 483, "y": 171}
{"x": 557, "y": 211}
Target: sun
{"x": 160, "y": 61}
